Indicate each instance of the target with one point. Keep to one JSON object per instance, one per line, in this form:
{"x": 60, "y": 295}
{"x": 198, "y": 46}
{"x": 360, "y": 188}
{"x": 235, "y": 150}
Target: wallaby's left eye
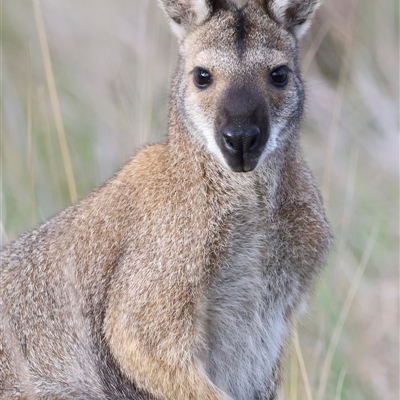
{"x": 202, "y": 78}
{"x": 279, "y": 76}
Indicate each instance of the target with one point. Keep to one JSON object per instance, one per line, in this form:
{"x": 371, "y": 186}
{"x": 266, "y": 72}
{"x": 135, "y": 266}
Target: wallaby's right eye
{"x": 202, "y": 78}
{"x": 279, "y": 76}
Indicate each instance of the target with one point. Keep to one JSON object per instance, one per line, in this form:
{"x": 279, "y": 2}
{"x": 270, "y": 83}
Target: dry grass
{"x": 85, "y": 83}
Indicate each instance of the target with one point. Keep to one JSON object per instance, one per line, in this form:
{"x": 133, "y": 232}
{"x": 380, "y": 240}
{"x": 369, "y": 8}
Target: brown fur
{"x": 125, "y": 294}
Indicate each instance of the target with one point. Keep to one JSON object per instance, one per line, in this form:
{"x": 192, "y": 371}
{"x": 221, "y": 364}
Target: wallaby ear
{"x": 183, "y": 14}
{"x": 295, "y": 15}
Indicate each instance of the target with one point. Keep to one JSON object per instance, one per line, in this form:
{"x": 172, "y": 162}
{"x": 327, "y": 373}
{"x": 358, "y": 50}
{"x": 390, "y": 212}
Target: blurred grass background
{"x": 85, "y": 83}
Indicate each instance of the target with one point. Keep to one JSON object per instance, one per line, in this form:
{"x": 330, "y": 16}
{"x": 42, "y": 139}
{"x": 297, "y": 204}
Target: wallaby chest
{"x": 245, "y": 321}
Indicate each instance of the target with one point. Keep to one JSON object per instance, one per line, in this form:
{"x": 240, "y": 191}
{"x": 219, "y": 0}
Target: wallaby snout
{"x": 242, "y": 145}
{"x": 242, "y": 129}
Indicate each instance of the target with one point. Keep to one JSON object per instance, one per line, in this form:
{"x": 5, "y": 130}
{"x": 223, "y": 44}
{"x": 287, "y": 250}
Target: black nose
{"x": 241, "y": 141}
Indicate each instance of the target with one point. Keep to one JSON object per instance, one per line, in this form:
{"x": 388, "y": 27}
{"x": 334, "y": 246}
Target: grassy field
{"x": 85, "y": 83}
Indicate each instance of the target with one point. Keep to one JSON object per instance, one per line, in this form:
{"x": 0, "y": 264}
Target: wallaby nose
{"x": 241, "y": 141}
{"x": 242, "y": 128}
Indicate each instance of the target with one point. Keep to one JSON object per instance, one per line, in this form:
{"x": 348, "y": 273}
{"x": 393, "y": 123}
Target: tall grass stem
{"x": 339, "y": 387}
{"x": 54, "y": 101}
{"x": 29, "y": 123}
{"x": 293, "y": 382}
{"x": 302, "y": 366}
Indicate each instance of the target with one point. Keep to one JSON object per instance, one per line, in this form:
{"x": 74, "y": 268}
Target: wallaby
{"x": 180, "y": 278}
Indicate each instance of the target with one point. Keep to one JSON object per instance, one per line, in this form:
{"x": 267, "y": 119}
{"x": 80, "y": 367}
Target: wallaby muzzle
{"x": 242, "y": 128}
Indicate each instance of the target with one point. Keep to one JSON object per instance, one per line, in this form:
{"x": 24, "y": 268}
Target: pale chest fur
{"x": 246, "y": 314}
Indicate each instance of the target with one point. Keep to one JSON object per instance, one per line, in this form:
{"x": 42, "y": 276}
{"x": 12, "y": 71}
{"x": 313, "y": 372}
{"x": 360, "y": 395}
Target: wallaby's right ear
{"x": 295, "y": 15}
{"x": 183, "y": 14}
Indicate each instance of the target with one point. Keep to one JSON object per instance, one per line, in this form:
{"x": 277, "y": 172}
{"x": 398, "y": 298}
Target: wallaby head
{"x": 237, "y": 87}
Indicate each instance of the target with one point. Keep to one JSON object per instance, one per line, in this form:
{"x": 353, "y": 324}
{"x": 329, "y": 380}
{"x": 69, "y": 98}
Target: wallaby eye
{"x": 279, "y": 76}
{"x": 202, "y": 78}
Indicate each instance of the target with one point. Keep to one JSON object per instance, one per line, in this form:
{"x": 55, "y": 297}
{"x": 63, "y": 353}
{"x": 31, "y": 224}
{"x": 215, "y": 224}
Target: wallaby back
{"x": 181, "y": 276}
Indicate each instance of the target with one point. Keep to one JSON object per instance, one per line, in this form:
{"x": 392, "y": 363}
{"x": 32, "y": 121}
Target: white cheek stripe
{"x": 272, "y": 143}
{"x": 214, "y": 149}
{"x": 206, "y": 133}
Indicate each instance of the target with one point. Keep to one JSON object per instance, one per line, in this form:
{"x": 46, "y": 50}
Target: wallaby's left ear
{"x": 184, "y": 14}
{"x": 295, "y": 15}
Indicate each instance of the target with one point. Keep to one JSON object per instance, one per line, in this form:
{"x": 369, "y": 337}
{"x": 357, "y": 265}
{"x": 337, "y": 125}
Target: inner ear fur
{"x": 183, "y": 14}
{"x": 294, "y": 15}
